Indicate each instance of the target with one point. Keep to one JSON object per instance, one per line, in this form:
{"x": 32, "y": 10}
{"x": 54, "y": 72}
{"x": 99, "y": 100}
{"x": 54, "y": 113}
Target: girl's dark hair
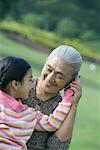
{"x": 12, "y": 68}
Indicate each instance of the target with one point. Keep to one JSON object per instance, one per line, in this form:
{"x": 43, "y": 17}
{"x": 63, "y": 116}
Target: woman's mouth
{"x": 49, "y": 84}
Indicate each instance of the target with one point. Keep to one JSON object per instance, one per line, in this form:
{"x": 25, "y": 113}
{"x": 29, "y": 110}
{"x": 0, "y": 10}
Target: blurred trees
{"x": 4, "y": 8}
{"x": 69, "y": 18}
{"x": 67, "y": 28}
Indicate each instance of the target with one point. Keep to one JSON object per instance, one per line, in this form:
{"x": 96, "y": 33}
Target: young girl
{"x": 17, "y": 121}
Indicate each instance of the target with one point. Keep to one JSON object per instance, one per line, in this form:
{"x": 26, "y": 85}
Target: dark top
{"x": 41, "y": 140}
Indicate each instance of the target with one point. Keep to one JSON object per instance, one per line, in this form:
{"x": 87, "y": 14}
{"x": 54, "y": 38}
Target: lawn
{"x": 86, "y": 133}
{"x": 9, "y": 47}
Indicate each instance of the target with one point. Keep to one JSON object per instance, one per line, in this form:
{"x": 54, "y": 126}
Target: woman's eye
{"x": 59, "y": 77}
{"x": 48, "y": 69}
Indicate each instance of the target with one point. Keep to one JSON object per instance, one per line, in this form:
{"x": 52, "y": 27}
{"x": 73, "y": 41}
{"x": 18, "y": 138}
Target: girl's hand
{"x": 68, "y": 96}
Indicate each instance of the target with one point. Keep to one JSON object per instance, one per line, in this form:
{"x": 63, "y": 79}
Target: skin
{"x": 20, "y": 89}
{"x": 56, "y": 74}
{"x": 70, "y": 119}
{"x": 54, "y": 78}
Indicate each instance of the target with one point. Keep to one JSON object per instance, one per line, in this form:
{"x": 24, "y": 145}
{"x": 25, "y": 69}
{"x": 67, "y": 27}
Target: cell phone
{"x": 67, "y": 86}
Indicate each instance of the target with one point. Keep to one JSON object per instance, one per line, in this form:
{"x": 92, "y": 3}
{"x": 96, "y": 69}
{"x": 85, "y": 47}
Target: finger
{"x": 78, "y": 87}
{"x": 77, "y": 79}
{"x": 77, "y": 94}
{"x": 75, "y": 90}
{"x": 75, "y": 82}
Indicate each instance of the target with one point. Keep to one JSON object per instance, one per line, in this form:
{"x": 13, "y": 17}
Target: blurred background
{"x": 31, "y": 29}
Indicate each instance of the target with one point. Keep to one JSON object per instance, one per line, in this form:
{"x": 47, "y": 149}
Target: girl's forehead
{"x": 29, "y": 73}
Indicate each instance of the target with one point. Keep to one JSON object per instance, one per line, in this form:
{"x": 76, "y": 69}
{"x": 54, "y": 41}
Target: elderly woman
{"x": 60, "y": 70}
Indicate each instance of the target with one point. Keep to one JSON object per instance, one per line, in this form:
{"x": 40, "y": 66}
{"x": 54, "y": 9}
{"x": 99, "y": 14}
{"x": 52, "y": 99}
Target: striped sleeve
{"x": 15, "y": 128}
{"x": 53, "y": 121}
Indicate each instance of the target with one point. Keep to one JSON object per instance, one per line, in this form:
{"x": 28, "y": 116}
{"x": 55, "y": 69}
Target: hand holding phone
{"x": 77, "y": 89}
{"x": 68, "y": 84}
{"x": 73, "y": 93}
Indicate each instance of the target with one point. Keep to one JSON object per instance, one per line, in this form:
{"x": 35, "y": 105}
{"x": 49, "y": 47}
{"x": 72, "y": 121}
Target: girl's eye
{"x": 30, "y": 79}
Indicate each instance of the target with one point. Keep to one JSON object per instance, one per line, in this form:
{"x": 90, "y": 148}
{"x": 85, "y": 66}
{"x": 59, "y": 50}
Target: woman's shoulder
{"x": 34, "y": 82}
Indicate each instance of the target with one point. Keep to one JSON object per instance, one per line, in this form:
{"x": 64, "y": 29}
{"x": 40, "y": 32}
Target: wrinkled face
{"x": 56, "y": 74}
{"x": 26, "y": 85}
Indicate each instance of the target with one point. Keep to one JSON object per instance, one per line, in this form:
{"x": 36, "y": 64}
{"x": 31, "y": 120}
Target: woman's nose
{"x": 50, "y": 77}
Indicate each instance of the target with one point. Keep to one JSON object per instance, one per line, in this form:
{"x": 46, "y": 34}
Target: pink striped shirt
{"x": 18, "y": 121}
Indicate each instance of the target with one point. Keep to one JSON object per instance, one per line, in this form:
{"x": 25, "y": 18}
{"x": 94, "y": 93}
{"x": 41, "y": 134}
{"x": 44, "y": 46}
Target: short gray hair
{"x": 69, "y": 54}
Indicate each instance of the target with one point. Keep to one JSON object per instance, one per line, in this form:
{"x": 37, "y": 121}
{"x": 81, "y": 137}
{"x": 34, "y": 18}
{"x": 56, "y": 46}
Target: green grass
{"x": 95, "y": 45}
{"x": 9, "y": 47}
{"x": 50, "y": 39}
{"x": 86, "y": 133}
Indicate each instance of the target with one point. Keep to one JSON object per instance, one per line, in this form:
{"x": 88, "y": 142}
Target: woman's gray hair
{"x": 69, "y": 54}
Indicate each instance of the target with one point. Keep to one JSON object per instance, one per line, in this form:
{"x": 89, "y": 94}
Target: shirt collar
{"x": 11, "y": 103}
